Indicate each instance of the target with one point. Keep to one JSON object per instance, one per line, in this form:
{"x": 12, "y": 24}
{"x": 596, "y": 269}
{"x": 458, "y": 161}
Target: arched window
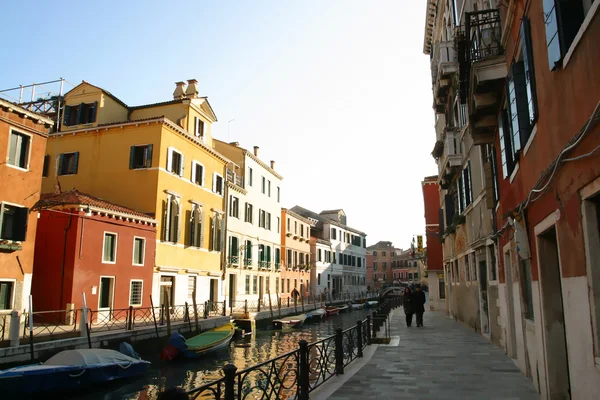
{"x": 196, "y": 227}
{"x": 171, "y": 220}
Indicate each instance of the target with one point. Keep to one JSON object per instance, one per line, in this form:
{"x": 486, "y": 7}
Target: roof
{"x": 337, "y": 210}
{"x": 75, "y": 197}
{"x": 162, "y": 103}
{"x": 20, "y": 110}
{"x": 296, "y": 215}
{"x": 429, "y": 24}
{"x": 115, "y": 98}
{"x": 383, "y": 245}
{"x": 252, "y": 156}
{"x": 323, "y": 219}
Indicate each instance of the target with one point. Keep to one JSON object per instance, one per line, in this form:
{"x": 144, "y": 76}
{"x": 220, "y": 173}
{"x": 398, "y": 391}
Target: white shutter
{"x": 193, "y": 175}
{"x": 181, "y": 168}
{"x": 169, "y": 159}
{"x": 214, "y": 186}
{"x": 196, "y": 126}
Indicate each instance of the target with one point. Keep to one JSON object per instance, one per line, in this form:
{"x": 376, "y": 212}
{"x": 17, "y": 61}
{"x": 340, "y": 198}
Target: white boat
{"x": 370, "y": 304}
{"x": 317, "y": 314}
{"x": 356, "y": 306}
{"x": 293, "y": 321}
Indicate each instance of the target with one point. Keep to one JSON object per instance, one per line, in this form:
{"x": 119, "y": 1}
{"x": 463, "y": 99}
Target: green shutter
{"x": 79, "y": 119}
{"x": 75, "y": 162}
{"x": 60, "y": 164}
{"x": 148, "y": 156}
{"x": 201, "y": 244}
{"x": 165, "y": 221}
{"x": 529, "y": 69}
{"x": 177, "y": 224}
{"x": 94, "y": 112}
{"x": 46, "y": 165}
{"x": 66, "y": 115}
{"x": 132, "y": 157}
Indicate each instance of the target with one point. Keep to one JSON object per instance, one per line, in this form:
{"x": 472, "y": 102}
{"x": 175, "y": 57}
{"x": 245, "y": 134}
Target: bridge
{"x": 391, "y": 292}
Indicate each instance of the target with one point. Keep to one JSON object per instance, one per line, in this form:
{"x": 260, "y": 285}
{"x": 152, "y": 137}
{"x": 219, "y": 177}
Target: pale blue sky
{"x": 337, "y": 92}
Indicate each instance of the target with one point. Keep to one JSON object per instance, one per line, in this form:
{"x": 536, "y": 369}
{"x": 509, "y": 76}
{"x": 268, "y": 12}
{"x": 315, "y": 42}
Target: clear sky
{"x": 337, "y": 92}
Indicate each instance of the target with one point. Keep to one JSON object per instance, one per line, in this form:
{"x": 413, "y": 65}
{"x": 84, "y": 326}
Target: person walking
{"x": 418, "y": 299}
{"x": 407, "y": 303}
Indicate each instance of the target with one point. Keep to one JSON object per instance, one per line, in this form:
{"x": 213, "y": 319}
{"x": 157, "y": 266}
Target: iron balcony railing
{"x": 234, "y": 178}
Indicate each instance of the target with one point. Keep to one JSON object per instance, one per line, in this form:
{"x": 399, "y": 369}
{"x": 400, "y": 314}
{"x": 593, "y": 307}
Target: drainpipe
{"x": 62, "y": 276}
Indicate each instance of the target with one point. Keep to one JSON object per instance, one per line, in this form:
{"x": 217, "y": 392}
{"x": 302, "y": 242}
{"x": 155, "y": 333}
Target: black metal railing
{"x": 484, "y": 34}
{"x": 53, "y": 324}
{"x": 3, "y": 326}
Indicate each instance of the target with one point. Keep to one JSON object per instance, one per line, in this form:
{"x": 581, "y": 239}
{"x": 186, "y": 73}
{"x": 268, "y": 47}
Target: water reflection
{"x": 243, "y": 352}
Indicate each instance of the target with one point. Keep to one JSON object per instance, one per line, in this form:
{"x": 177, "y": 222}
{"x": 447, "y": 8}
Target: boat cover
{"x": 90, "y": 357}
{"x": 210, "y": 338}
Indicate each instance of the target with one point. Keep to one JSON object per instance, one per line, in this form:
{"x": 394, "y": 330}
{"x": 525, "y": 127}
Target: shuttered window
{"x": 18, "y": 150}
{"x": 527, "y": 50}
{"x": 84, "y": 113}
{"x": 171, "y": 212}
{"x": 68, "y": 163}
{"x": 196, "y": 227}
{"x": 562, "y": 19}
{"x": 552, "y": 36}
{"x": 46, "y": 166}
{"x": 110, "y": 248}
{"x": 140, "y": 156}
{"x": 13, "y": 222}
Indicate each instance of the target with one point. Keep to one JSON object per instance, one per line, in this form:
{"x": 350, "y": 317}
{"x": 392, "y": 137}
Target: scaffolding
{"x": 45, "y": 98}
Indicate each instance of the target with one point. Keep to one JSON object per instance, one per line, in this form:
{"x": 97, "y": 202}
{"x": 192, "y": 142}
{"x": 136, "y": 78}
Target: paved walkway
{"x": 443, "y": 360}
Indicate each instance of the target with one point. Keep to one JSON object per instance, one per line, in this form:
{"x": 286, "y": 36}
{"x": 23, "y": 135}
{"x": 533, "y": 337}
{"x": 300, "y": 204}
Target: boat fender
{"x": 77, "y": 375}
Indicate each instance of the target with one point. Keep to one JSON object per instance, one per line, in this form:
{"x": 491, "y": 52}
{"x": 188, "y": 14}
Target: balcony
{"x": 235, "y": 178}
{"x": 263, "y": 265}
{"x": 234, "y": 261}
{"x": 451, "y": 157}
{"x": 248, "y": 263}
{"x": 482, "y": 71}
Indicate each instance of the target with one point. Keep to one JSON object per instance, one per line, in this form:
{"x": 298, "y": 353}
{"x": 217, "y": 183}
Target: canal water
{"x": 244, "y": 352}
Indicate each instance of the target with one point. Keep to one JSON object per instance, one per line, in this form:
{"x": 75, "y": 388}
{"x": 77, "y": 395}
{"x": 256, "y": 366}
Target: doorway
{"x": 553, "y": 323}
{"x": 167, "y": 285}
{"x": 483, "y": 297}
{"x": 232, "y": 289}
{"x": 213, "y": 295}
{"x": 511, "y": 340}
{"x": 106, "y": 297}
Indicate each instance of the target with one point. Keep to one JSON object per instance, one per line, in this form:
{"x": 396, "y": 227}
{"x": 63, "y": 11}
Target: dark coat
{"x": 407, "y": 303}
{"x": 418, "y": 300}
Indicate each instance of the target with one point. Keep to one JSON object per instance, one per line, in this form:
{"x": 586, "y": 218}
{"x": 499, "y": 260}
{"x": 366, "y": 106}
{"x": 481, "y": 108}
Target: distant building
{"x": 347, "y": 270}
{"x": 434, "y": 257}
{"x": 382, "y": 254}
{"x": 23, "y": 136}
{"x": 296, "y": 244}
{"x": 88, "y": 245}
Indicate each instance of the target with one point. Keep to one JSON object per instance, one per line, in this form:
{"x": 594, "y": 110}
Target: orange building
{"x": 23, "y": 137}
{"x": 295, "y": 245}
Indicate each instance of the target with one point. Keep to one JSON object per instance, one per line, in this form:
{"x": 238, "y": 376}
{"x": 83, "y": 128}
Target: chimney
{"x": 272, "y": 164}
{"x": 179, "y": 92}
{"x": 192, "y": 89}
{"x": 236, "y": 144}
{"x": 256, "y": 151}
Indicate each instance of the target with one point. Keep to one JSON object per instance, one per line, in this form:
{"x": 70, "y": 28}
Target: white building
{"x": 345, "y": 270}
{"x": 253, "y": 225}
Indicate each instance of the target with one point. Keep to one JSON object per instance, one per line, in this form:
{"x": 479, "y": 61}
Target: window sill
{"x": 530, "y": 140}
{"x": 17, "y": 168}
{"x": 67, "y": 174}
{"x": 137, "y": 265}
{"x": 109, "y": 262}
{"x": 584, "y": 27}
{"x": 514, "y": 173}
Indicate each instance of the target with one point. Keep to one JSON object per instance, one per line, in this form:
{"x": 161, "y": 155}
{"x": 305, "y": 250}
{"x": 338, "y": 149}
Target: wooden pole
{"x": 270, "y": 304}
{"x": 31, "y": 326}
{"x": 168, "y": 311}
{"x": 195, "y": 309}
{"x": 154, "y": 316}
{"x": 302, "y": 302}
{"x": 279, "y": 305}
{"x": 87, "y": 323}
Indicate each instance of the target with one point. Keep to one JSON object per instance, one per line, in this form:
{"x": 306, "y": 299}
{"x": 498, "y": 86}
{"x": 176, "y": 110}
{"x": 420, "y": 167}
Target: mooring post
{"x": 130, "y": 319}
{"x": 368, "y": 330}
{"x": 303, "y": 370}
{"x": 339, "y": 352}
{"x": 229, "y": 371}
{"x": 359, "y": 330}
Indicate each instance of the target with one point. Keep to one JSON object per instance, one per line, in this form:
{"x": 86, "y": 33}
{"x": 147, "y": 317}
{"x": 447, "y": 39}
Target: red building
{"x": 369, "y": 260}
{"x": 434, "y": 260}
{"x": 87, "y": 245}
{"x": 379, "y": 264}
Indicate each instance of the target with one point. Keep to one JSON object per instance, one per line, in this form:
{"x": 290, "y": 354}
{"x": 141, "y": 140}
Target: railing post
{"x": 368, "y": 330}
{"x": 205, "y": 309}
{"x": 259, "y": 300}
{"x": 229, "y": 371}
{"x": 339, "y": 352}
{"x": 224, "y": 308}
{"x": 130, "y": 319}
{"x": 374, "y": 325}
{"x": 13, "y": 330}
{"x": 303, "y": 377}
{"x": 245, "y": 307}
{"x": 359, "y": 329}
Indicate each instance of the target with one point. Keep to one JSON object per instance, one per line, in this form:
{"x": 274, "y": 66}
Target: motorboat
{"x": 317, "y": 314}
{"x": 71, "y": 370}
{"x": 356, "y": 306}
{"x": 199, "y": 345}
{"x": 370, "y": 304}
{"x": 292, "y": 322}
{"x": 343, "y": 308}
{"x": 332, "y": 310}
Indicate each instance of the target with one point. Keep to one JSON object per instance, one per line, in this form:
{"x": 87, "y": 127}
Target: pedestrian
{"x": 173, "y": 393}
{"x": 333, "y": 293}
{"x": 295, "y": 293}
{"x": 407, "y": 303}
{"x": 419, "y": 304}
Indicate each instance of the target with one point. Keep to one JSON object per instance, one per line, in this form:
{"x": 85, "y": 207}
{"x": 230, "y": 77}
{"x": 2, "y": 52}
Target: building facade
{"x": 156, "y": 159}
{"x": 527, "y": 76}
{"x": 296, "y": 249}
{"x": 347, "y": 271}
{"x": 433, "y": 256}
{"x": 23, "y": 136}
{"x": 87, "y": 245}
{"x": 253, "y": 228}
{"x": 382, "y": 254}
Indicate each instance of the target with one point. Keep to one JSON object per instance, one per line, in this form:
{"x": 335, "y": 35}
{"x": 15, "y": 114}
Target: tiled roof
{"x": 322, "y": 219}
{"x": 75, "y": 197}
{"x": 162, "y": 103}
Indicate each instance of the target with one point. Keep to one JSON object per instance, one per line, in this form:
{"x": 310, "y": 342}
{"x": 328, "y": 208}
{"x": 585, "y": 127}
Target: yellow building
{"x": 157, "y": 159}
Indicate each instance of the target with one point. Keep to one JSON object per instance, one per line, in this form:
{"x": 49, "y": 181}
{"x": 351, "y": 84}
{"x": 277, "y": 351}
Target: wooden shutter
{"x": 20, "y": 228}
{"x": 66, "y": 115}
{"x": 79, "y": 119}
{"x": 132, "y": 157}
{"x": 148, "y": 160}
{"x": 189, "y": 217}
{"x": 518, "y": 71}
{"x": 221, "y": 233}
{"x": 182, "y": 165}
{"x": 201, "y": 229}
{"x": 75, "y": 162}
{"x": 176, "y": 222}
{"x": 61, "y": 158}
{"x": 94, "y": 112}
{"x": 211, "y": 241}
{"x": 169, "y": 160}
{"x": 46, "y": 165}
{"x": 529, "y": 68}
{"x": 165, "y": 221}
{"x": 489, "y": 186}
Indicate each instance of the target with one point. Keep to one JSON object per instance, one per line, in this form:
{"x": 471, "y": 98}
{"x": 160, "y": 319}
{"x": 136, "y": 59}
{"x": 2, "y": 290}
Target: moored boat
{"x": 316, "y": 315}
{"x": 344, "y": 308}
{"x": 71, "y": 370}
{"x": 332, "y": 310}
{"x": 356, "y": 306}
{"x": 292, "y": 322}
{"x": 199, "y": 345}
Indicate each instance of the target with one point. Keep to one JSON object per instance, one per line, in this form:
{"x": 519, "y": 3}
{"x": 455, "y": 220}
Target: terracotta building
{"x": 87, "y": 245}
{"x": 23, "y": 137}
{"x": 296, "y": 248}
{"x": 434, "y": 257}
{"x": 382, "y": 254}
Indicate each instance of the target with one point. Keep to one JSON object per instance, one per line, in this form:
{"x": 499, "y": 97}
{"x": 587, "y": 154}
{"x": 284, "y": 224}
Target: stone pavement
{"x": 443, "y": 360}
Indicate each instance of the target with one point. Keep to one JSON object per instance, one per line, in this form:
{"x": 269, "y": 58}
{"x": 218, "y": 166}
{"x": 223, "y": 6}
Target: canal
{"x": 244, "y": 352}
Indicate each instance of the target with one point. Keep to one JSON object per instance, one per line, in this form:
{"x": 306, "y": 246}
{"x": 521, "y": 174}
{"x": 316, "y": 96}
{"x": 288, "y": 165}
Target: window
{"x": 295, "y": 227}
{"x": 46, "y": 166}
{"x": 68, "y": 163}
{"x": 491, "y": 175}
{"x": 333, "y": 234}
{"x": 506, "y": 148}
{"x": 301, "y": 258}
{"x": 234, "y": 249}
{"x": 196, "y": 227}
{"x": 518, "y": 120}
{"x": 191, "y": 286}
{"x": 175, "y": 162}
{"x": 248, "y": 213}
{"x": 333, "y": 254}
{"x": 6, "y": 295}
{"x": 135, "y": 293}
{"x": 301, "y": 230}
{"x": 563, "y": 20}
{"x": 278, "y": 224}
{"x": 383, "y": 253}
{"x": 110, "y": 248}
{"x": 247, "y": 291}
{"x": 197, "y": 173}
{"x": 527, "y": 291}
{"x": 467, "y": 269}
{"x": 139, "y": 250}
{"x": 319, "y": 255}
{"x": 198, "y": 127}
{"x": 216, "y": 232}
{"x": 384, "y": 265}
{"x": 255, "y": 284}
{"x": 261, "y": 218}
{"x": 374, "y": 253}
{"x": 268, "y": 224}
{"x": 18, "y": 150}
{"x": 234, "y": 207}
{"x": 277, "y": 256}
{"x": 218, "y": 184}
{"x": 263, "y": 186}
{"x": 318, "y": 279}
{"x": 278, "y": 194}
{"x": 277, "y": 284}
{"x": 474, "y": 266}
{"x": 375, "y": 266}
{"x": 250, "y": 176}
{"x": 527, "y": 51}
{"x": 84, "y": 113}
{"x": 269, "y": 188}
{"x": 171, "y": 212}
{"x": 140, "y": 156}
{"x": 13, "y": 222}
